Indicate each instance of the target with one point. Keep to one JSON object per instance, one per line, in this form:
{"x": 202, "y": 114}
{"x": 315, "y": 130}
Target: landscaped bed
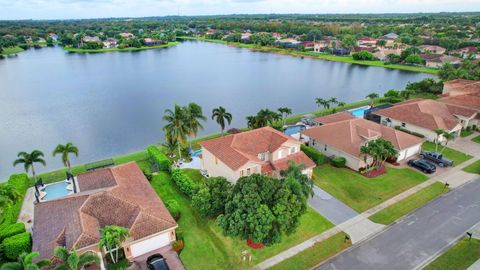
{"x": 360, "y": 192}
{"x": 476, "y": 139}
{"x": 460, "y": 256}
{"x": 207, "y": 248}
{"x": 473, "y": 168}
{"x": 407, "y": 205}
{"x": 456, "y": 156}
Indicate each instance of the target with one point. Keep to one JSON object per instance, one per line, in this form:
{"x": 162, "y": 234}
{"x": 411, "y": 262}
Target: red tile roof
{"x": 297, "y": 158}
{"x": 119, "y": 195}
{"x": 331, "y": 118}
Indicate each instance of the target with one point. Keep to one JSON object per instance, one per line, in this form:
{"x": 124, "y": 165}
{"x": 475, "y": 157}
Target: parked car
{"x": 422, "y": 165}
{"x": 436, "y": 157}
{"x": 157, "y": 262}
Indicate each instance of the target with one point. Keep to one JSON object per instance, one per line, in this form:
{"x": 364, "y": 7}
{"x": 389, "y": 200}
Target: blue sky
{"x": 75, "y": 9}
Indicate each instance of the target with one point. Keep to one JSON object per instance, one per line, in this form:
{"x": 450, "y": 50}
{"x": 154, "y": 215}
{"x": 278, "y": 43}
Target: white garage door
{"x": 150, "y": 244}
{"x": 413, "y": 151}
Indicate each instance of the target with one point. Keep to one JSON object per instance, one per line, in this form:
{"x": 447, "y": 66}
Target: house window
{"x": 325, "y": 148}
{"x": 262, "y": 156}
{"x": 248, "y": 171}
{"x": 292, "y": 150}
{"x": 280, "y": 154}
{"x": 241, "y": 173}
{"x": 403, "y": 124}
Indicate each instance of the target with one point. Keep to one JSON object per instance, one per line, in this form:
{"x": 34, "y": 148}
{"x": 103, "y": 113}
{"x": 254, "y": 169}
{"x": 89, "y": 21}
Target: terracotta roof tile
{"x": 331, "y": 118}
{"x": 297, "y": 158}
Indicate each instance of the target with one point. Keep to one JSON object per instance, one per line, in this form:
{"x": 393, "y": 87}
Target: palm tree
{"x": 447, "y": 137}
{"x": 285, "y": 111}
{"x": 29, "y": 159}
{"x": 221, "y": 115}
{"x": 111, "y": 238}
{"x": 372, "y": 96}
{"x": 266, "y": 117}
{"x": 323, "y": 102}
{"x": 65, "y": 150}
{"x": 170, "y": 146}
{"x": 341, "y": 104}
{"x": 333, "y": 100}
{"x": 194, "y": 114}
{"x": 70, "y": 260}
{"x": 25, "y": 262}
{"x": 251, "y": 121}
{"x": 176, "y": 127}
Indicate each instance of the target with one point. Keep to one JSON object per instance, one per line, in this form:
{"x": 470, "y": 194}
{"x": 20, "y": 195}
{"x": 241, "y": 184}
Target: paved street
{"x": 418, "y": 237}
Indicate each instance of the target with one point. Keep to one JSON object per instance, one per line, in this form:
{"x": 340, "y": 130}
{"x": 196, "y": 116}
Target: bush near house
{"x": 9, "y": 230}
{"x": 159, "y": 158}
{"x": 173, "y": 208}
{"x": 409, "y": 132}
{"x": 339, "y": 162}
{"x": 314, "y": 154}
{"x": 13, "y": 246}
{"x": 10, "y": 213}
{"x": 184, "y": 183}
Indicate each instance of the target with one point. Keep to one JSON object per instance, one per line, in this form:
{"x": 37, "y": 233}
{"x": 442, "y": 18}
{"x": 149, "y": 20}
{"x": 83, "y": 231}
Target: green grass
{"x": 466, "y": 133}
{"x": 459, "y": 257}
{"x": 473, "y": 168}
{"x": 476, "y": 139}
{"x": 456, "y": 156}
{"x": 195, "y": 175}
{"x": 323, "y": 56}
{"x": 362, "y": 193}
{"x": 207, "y": 248}
{"x": 11, "y": 50}
{"x": 77, "y": 50}
{"x": 314, "y": 255}
{"x": 407, "y": 205}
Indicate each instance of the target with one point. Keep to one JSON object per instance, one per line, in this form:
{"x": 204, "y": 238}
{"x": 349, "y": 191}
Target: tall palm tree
{"x": 323, "y": 102}
{"x": 29, "y": 159}
{"x": 70, "y": 260}
{"x": 285, "y": 111}
{"x": 25, "y": 262}
{"x": 251, "y": 121}
{"x": 341, "y": 104}
{"x": 193, "y": 114}
{"x": 111, "y": 238}
{"x": 266, "y": 117}
{"x": 65, "y": 150}
{"x": 221, "y": 115}
{"x": 170, "y": 146}
{"x": 176, "y": 127}
{"x": 333, "y": 100}
{"x": 372, "y": 96}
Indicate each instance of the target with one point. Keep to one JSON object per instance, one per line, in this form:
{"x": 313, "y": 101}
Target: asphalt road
{"x": 418, "y": 237}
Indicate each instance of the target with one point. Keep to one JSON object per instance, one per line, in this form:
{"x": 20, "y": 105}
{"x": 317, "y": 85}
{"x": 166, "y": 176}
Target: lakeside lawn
{"x": 362, "y": 193}
{"x": 456, "y": 156}
{"x": 129, "y": 49}
{"x": 476, "y": 139}
{"x": 459, "y": 257}
{"x": 409, "y": 204}
{"x": 207, "y": 248}
{"x": 473, "y": 168}
{"x": 11, "y": 50}
{"x": 316, "y": 254}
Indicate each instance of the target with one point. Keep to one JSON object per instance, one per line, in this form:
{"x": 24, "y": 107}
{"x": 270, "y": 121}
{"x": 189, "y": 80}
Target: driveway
{"x": 466, "y": 145}
{"x": 329, "y": 207}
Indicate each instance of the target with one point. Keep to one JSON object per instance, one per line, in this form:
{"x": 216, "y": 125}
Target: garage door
{"x": 413, "y": 151}
{"x": 150, "y": 244}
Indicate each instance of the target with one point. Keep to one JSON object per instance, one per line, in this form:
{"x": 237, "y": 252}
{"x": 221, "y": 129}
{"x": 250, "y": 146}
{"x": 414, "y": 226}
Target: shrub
{"x": 178, "y": 246}
{"x": 339, "y": 162}
{"x": 179, "y": 234}
{"x": 173, "y": 208}
{"x": 21, "y": 184}
{"x": 14, "y": 246}
{"x": 159, "y": 158}
{"x": 210, "y": 199}
{"x": 9, "y": 230}
{"x": 184, "y": 182}
{"x": 363, "y": 56}
{"x": 314, "y": 154}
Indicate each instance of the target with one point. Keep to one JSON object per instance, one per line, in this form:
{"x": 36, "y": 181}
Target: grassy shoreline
{"x": 77, "y": 50}
{"x": 322, "y": 56}
{"x": 11, "y": 50}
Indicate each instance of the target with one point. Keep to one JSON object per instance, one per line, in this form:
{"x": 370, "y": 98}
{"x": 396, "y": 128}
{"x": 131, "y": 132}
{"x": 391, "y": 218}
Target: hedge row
{"x": 314, "y": 154}
{"x": 409, "y": 132}
{"x": 159, "y": 158}
{"x": 9, "y": 230}
{"x": 13, "y": 246}
{"x": 339, "y": 162}
{"x": 21, "y": 183}
{"x": 184, "y": 182}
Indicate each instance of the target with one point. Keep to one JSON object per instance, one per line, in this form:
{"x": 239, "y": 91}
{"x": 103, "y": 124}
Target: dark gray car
{"x": 436, "y": 157}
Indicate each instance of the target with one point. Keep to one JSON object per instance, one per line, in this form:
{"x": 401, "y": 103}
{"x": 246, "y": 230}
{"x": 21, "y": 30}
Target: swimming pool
{"x": 359, "y": 112}
{"x": 293, "y": 129}
{"x": 56, "y": 190}
{"x": 196, "y": 153}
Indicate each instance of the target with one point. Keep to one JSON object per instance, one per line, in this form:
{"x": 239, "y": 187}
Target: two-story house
{"x": 263, "y": 150}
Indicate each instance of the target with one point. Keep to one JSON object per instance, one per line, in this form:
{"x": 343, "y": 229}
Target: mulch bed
{"x": 254, "y": 245}
{"x": 375, "y": 173}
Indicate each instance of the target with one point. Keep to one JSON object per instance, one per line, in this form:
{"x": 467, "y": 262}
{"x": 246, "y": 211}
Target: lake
{"x": 110, "y": 104}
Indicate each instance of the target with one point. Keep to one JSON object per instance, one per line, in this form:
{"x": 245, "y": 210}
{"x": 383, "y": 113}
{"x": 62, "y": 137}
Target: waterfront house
{"x": 126, "y": 35}
{"x": 86, "y": 39}
{"x": 263, "y": 150}
{"x": 120, "y": 196}
{"x": 432, "y": 49}
{"x": 464, "y": 93}
{"x": 332, "y": 118}
{"x": 152, "y": 42}
{"x": 110, "y": 43}
{"x": 383, "y": 53}
{"x": 366, "y": 42}
{"x": 346, "y": 136}
{"x": 438, "y": 60}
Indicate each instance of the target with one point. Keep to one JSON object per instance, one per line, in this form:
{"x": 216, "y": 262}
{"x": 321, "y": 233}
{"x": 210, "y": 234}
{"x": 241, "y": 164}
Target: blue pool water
{"x": 56, "y": 191}
{"x": 293, "y": 129}
{"x": 359, "y": 112}
{"x": 197, "y": 153}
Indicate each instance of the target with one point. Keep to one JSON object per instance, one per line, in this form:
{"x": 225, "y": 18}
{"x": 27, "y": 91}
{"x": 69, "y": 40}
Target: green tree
{"x": 266, "y": 117}
{"x": 323, "y": 102}
{"x": 414, "y": 59}
{"x": 71, "y": 260}
{"x": 193, "y": 116}
{"x": 111, "y": 239}
{"x": 29, "y": 159}
{"x": 372, "y": 96}
{"x": 8, "y": 196}
{"x": 170, "y": 146}
{"x": 25, "y": 262}
{"x": 251, "y": 121}
{"x": 349, "y": 41}
{"x": 65, "y": 150}
{"x": 379, "y": 150}
{"x": 220, "y": 115}
{"x": 381, "y": 43}
{"x": 211, "y": 198}
{"x": 176, "y": 127}
{"x": 363, "y": 56}
{"x": 285, "y": 111}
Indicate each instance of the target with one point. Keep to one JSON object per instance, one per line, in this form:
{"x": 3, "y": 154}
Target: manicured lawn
{"x": 362, "y": 193}
{"x": 407, "y": 205}
{"x": 473, "y": 168}
{"x": 11, "y": 50}
{"x": 315, "y": 254}
{"x": 459, "y": 257}
{"x": 195, "y": 175}
{"x": 77, "y": 50}
{"x": 476, "y": 139}
{"x": 456, "y": 156}
{"x": 466, "y": 133}
{"x": 207, "y": 248}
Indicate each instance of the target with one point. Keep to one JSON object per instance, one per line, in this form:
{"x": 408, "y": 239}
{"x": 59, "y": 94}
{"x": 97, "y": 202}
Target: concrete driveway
{"x": 329, "y": 207}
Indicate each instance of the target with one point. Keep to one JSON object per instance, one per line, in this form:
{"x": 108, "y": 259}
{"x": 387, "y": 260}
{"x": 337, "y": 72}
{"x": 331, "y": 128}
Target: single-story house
{"x": 465, "y": 52}
{"x": 110, "y": 43}
{"x": 332, "y": 118}
{"x": 120, "y": 196}
{"x": 463, "y": 93}
{"x": 383, "y": 53}
{"x": 424, "y": 116}
{"x": 390, "y": 35}
{"x": 366, "y": 42}
{"x": 438, "y": 60}
{"x": 126, "y": 35}
{"x": 432, "y": 49}
{"x": 91, "y": 39}
{"x": 152, "y": 42}
{"x": 263, "y": 150}
{"x": 345, "y": 138}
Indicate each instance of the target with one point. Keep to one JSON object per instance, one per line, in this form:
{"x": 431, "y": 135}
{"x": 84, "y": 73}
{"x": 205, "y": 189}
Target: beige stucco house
{"x": 263, "y": 150}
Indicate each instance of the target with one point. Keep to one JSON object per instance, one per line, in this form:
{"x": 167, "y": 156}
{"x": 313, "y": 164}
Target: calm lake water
{"x": 112, "y": 103}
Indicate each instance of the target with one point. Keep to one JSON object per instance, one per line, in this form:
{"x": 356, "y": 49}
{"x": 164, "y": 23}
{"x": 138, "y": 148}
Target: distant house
{"x": 332, "y": 118}
{"x": 366, "y": 42}
{"x": 91, "y": 39}
{"x": 246, "y": 36}
{"x": 345, "y": 138}
{"x": 383, "y": 53}
{"x": 391, "y": 35}
{"x": 438, "y": 60}
{"x": 359, "y": 49}
{"x": 277, "y": 36}
{"x": 53, "y": 36}
{"x": 126, "y": 35}
{"x": 465, "y": 52}
{"x": 308, "y": 45}
{"x": 432, "y": 49}
{"x": 464, "y": 93}
{"x": 110, "y": 43}
{"x": 263, "y": 150}
{"x": 152, "y": 42}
